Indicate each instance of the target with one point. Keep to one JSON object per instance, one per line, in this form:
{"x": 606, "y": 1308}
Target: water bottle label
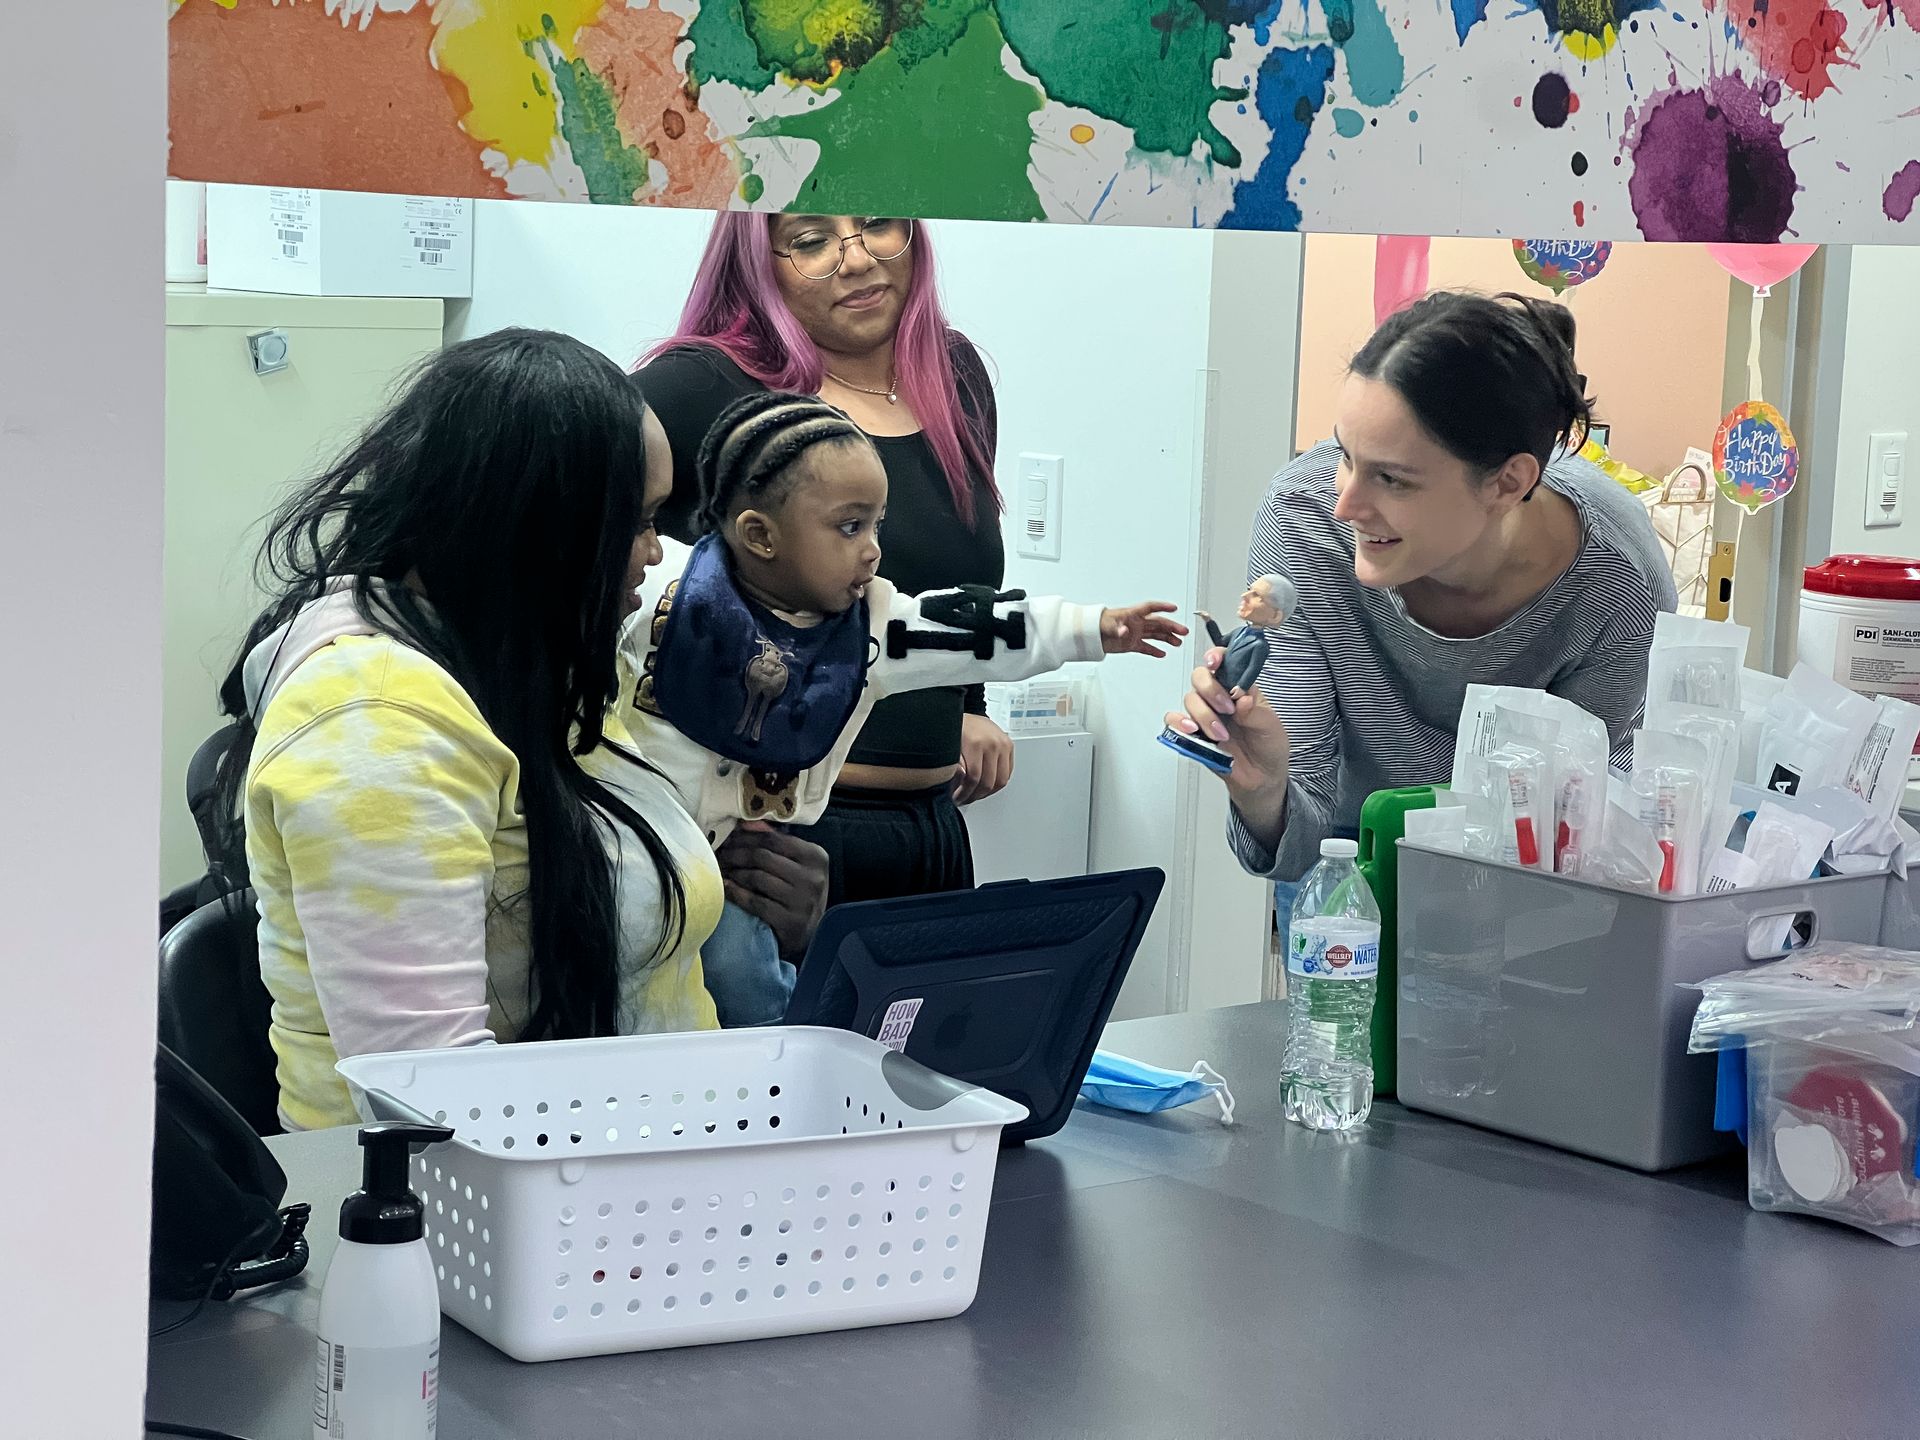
{"x": 1330, "y": 957}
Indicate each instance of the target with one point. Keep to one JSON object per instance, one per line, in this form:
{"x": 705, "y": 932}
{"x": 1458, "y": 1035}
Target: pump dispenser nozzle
{"x": 385, "y": 1211}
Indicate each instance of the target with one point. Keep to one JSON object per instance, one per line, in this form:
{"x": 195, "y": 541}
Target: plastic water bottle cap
{"x": 1339, "y": 849}
{"x": 1813, "y": 1162}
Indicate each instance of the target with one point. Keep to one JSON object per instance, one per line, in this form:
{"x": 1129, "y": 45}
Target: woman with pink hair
{"x": 846, "y": 308}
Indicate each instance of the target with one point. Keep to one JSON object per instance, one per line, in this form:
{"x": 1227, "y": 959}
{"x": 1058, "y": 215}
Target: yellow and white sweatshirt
{"x": 720, "y": 793}
{"x": 387, "y": 845}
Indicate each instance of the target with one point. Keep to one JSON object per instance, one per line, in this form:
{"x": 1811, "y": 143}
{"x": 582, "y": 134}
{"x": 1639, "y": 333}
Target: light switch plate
{"x": 1886, "y": 479}
{"x": 1037, "y": 505}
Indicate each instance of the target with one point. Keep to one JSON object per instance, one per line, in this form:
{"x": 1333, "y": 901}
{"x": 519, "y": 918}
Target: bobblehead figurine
{"x": 1264, "y": 605}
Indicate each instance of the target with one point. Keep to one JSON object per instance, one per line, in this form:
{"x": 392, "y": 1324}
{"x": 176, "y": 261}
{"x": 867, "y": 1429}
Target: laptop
{"x": 1007, "y": 986}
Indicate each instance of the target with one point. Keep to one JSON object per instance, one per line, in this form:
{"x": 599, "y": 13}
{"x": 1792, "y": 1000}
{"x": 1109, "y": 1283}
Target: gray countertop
{"x": 1164, "y": 1276}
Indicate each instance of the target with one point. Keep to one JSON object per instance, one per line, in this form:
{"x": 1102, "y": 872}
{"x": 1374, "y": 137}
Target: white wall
{"x": 1098, "y": 339}
{"x": 80, "y": 472}
{"x": 1879, "y": 391}
{"x": 1855, "y": 345}
{"x": 615, "y": 278}
{"x": 1253, "y": 355}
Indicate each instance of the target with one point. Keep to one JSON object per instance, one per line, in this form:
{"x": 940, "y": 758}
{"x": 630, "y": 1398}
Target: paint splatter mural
{"x": 1740, "y": 120}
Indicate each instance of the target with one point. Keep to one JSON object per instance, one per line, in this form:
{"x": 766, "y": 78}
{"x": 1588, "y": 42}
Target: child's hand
{"x": 1140, "y": 629}
{"x": 986, "y": 760}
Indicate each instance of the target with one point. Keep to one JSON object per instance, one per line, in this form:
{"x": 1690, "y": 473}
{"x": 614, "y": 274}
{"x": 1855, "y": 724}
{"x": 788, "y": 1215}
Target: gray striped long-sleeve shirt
{"x": 1371, "y": 698}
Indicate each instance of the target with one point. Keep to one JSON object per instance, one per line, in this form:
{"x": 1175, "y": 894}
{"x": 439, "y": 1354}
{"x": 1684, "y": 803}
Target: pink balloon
{"x": 1399, "y": 273}
{"x": 1761, "y": 266}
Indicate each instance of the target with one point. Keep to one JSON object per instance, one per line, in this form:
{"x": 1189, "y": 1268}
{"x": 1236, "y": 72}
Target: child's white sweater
{"x": 719, "y": 793}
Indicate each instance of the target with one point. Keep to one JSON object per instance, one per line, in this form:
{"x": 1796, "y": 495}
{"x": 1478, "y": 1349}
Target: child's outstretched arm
{"x": 1140, "y": 629}
{"x": 961, "y": 637}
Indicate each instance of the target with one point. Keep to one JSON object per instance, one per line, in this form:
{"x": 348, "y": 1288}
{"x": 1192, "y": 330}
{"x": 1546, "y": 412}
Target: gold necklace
{"x": 891, "y": 394}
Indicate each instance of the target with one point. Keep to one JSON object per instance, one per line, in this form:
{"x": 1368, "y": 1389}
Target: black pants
{"x": 882, "y": 844}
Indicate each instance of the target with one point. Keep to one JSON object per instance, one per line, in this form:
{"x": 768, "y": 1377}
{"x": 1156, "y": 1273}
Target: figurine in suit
{"x": 1264, "y": 605}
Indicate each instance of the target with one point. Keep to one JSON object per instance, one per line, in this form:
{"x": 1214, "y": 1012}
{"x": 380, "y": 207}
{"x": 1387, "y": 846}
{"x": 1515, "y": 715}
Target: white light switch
{"x": 1886, "y": 478}
{"x": 1037, "y": 506}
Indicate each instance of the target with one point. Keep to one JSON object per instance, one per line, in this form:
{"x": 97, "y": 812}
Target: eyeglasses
{"x": 819, "y": 254}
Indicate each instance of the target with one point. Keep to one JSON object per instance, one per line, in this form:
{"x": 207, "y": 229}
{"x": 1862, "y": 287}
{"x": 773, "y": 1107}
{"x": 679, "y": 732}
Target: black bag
{"x": 217, "y": 1222}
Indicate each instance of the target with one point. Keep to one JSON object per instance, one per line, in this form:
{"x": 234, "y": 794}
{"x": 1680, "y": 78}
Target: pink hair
{"x": 735, "y": 307}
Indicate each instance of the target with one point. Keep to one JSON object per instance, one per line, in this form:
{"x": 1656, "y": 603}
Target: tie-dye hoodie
{"x": 386, "y": 842}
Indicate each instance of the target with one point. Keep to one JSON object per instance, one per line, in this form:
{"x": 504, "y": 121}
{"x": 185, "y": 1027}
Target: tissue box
{"x": 1036, "y": 707}
{"x": 338, "y": 242}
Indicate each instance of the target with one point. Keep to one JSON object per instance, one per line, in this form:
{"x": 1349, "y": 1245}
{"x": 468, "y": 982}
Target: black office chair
{"x": 220, "y": 836}
{"x": 214, "y": 1008}
{"x": 222, "y": 845}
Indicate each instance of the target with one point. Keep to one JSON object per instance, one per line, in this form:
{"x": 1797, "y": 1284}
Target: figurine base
{"x": 1195, "y": 748}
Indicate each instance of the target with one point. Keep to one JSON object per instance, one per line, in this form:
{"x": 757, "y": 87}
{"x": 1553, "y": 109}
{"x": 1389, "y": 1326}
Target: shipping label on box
{"x": 295, "y": 222}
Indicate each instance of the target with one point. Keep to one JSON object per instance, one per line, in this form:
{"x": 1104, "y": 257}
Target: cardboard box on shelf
{"x": 335, "y": 242}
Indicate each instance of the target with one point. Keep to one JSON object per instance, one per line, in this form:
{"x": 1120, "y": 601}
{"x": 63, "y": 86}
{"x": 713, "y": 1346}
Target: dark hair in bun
{"x": 1489, "y": 377}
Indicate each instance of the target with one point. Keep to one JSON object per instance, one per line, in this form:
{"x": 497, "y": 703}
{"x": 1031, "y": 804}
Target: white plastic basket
{"x": 639, "y": 1193}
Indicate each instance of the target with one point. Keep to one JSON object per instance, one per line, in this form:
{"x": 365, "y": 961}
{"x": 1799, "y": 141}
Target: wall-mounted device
{"x": 1037, "y": 505}
{"x": 271, "y": 351}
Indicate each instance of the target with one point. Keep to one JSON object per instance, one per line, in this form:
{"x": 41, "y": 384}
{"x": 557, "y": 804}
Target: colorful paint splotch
{"x": 1562, "y": 264}
{"x": 1588, "y": 28}
{"x": 1376, "y": 69}
{"x": 810, "y": 40}
{"x": 1095, "y": 53}
{"x": 1466, "y": 15}
{"x": 655, "y": 102}
{"x": 1902, "y": 191}
{"x": 1796, "y": 42}
{"x": 863, "y": 167}
{"x": 1292, "y": 89}
{"x": 267, "y": 106}
{"x": 1755, "y": 457}
{"x": 1908, "y": 10}
{"x": 1747, "y": 121}
{"x": 1712, "y": 164}
{"x": 1554, "y": 102}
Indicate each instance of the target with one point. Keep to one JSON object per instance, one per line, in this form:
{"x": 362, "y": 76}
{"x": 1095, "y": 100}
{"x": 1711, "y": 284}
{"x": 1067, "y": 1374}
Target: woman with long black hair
{"x": 451, "y": 835}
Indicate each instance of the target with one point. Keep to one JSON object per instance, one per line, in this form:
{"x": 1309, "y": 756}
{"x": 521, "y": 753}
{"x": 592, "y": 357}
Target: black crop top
{"x": 924, "y": 546}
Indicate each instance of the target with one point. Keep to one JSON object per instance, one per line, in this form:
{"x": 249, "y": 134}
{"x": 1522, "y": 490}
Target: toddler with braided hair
{"x": 759, "y": 651}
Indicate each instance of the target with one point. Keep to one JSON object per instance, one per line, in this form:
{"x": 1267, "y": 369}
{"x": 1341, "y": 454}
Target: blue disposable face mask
{"x": 1122, "y": 1084}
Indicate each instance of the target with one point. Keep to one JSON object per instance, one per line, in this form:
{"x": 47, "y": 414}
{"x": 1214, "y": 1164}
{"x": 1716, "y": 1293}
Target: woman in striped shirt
{"x": 1443, "y": 537}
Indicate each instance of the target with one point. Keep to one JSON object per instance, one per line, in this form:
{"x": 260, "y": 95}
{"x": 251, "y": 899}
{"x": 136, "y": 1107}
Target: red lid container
{"x": 1866, "y": 577}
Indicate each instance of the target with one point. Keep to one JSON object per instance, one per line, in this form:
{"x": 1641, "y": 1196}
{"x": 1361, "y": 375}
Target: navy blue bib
{"x": 736, "y": 679}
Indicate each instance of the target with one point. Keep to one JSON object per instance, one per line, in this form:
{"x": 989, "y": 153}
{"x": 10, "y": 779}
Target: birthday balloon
{"x": 1755, "y": 457}
{"x": 1561, "y": 264}
{"x": 1400, "y": 265}
{"x": 1761, "y": 266}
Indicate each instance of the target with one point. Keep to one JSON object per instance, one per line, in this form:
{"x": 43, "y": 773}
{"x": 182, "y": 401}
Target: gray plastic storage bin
{"x": 1551, "y": 1008}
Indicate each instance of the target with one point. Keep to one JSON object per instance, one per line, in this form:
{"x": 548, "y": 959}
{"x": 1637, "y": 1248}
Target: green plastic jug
{"x": 1383, "y": 821}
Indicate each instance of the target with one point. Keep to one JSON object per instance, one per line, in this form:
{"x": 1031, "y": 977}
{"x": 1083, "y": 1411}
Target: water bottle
{"x": 1333, "y": 955}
